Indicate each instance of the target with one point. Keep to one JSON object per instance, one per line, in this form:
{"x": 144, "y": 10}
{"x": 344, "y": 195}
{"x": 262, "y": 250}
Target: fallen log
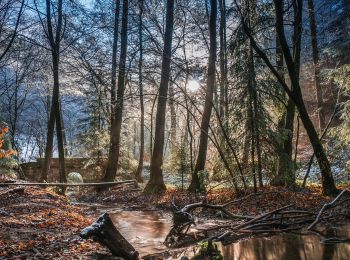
{"x": 17, "y": 190}
{"x": 183, "y": 215}
{"x": 254, "y": 220}
{"x": 325, "y": 207}
{"x": 104, "y": 232}
{"x": 236, "y": 227}
{"x": 4, "y": 184}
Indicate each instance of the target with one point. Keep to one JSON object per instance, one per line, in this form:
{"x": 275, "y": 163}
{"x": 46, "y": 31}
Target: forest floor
{"x": 38, "y": 223}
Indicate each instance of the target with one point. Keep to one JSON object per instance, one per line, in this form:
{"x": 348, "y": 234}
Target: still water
{"x": 146, "y": 231}
{"x": 286, "y": 246}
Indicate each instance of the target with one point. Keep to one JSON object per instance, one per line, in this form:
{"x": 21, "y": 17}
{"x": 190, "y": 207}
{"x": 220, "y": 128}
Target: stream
{"x": 286, "y": 246}
{"x": 146, "y": 231}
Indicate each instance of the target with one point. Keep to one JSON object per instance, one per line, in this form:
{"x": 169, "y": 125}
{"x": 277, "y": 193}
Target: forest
{"x": 174, "y": 129}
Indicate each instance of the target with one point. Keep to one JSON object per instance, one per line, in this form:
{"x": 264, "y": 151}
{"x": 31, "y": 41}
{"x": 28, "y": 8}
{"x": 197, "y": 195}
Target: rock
{"x": 75, "y": 177}
{"x": 3, "y": 213}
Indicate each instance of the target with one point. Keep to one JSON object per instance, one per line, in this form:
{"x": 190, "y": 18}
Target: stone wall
{"x": 91, "y": 169}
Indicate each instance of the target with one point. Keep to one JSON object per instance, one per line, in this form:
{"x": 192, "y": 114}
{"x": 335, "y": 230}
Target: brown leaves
{"x": 39, "y": 223}
{"x": 25, "y": 245}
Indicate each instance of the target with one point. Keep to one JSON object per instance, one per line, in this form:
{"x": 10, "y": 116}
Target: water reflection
{"x": 145, "y": 230}
{"x": 287, "y": 247}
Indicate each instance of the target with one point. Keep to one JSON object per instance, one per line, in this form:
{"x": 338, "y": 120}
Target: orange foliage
{"x": 5, "y": 153}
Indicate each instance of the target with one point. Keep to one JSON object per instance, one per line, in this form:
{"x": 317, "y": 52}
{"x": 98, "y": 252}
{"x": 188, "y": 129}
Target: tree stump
{"x": 104, "y": 232}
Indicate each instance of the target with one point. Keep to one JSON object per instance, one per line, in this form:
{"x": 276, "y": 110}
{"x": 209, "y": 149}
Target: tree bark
{"x": 113, "y": 155}
{"x": 114, "y": 60}
{"x": 156, "y": 182}
{"x": 203, "y": 139}
{"x": 138, "y": 174}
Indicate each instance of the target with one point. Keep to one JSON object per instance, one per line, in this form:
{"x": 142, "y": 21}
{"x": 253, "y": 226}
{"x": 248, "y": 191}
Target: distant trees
{"x": 8, "y": 28}
{"x": 315, "y": 60}
{"x": 223, "y": 58}
{"x": 295, "y": 92}
{"x": 140, "y": 84}
{"x": 296, "y": 95}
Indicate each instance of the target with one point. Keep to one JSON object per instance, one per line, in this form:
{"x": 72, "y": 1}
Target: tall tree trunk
{"x": 151, "y": 126}
{"x": 203, "y": 139}
{"x": 256, "y": 136}
{"x": 246, "y": 140}
{"x": 223, "y": 107}
{"x": 223, "y": 61}
{"x": 279, "y": 92}
{"x": 114, "y": 60}
{"x": 251, "y": 115}
{"x": 285, "y": 162}
{"x": 65, "y": 142}
{"x": 138, "y": 174}
{"x": 49, "y": 145}
{"x": 59, "y": 132}
{"x": 315, "y": 59}
{"x": 258, "y": 143}
{"x": 113, "y": 155}
{"x": 156, "y": 182}
{"x": 251, "y": 124}
{"x": 55, "y": 112}
{"x": 296, "y": 95}
{"x": 286, "y": 167}
{"x": 282, "y": 116}
{"x": 173, "y": 126}
{"x": 189, "y": 134}
{"x": 253, "y": 108}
